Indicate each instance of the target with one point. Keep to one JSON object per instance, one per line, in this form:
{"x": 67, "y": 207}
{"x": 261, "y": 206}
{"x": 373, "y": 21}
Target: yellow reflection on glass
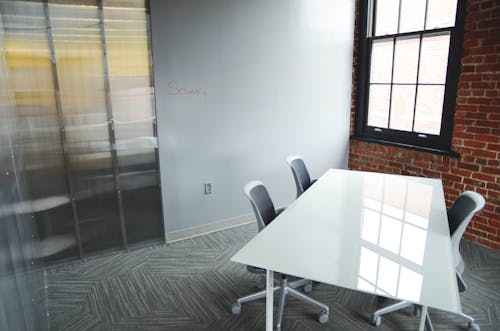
{"x": 41, "y": 127}
{"x": 128, "y": 52}
{"x": 79, "y": 55}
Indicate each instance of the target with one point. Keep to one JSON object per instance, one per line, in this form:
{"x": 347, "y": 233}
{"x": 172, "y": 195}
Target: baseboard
{"x": 208, "y": 228}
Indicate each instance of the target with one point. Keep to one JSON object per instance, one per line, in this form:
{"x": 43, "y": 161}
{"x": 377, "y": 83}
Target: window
{"x": 409, "y": 62}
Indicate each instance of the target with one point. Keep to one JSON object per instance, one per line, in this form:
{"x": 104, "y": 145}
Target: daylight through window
{"x": 409, "y": 85}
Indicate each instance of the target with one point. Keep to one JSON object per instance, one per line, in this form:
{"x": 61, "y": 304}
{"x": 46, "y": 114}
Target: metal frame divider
{"x": 111, "y": 128}
{"x": 153, "y": 102}
{"x": 109, "y": 113}
{"x": 151, "y": 80}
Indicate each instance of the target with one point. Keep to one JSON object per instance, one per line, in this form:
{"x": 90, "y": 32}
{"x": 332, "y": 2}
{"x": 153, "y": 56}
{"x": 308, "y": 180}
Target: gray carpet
{"x": 190, "y": 285}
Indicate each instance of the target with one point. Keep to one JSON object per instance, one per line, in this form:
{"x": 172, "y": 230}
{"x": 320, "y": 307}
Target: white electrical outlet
{"x": 208, "y": 188}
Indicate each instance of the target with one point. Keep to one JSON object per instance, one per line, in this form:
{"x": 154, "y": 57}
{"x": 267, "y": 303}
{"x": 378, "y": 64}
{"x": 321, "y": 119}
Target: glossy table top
{"x": 377, "y": 233}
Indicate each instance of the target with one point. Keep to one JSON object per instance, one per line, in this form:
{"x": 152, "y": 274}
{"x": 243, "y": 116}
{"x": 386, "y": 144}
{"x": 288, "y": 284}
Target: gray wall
{"x": 241, "y": 84}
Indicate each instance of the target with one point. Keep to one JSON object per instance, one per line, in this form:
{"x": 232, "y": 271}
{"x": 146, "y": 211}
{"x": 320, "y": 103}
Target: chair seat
{"x": 265, "y": 213}
{"x": 459, "y": 215}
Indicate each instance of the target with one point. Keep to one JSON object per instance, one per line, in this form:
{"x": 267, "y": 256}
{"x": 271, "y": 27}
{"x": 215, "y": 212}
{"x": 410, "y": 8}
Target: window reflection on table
{"x": 395, "y": 219}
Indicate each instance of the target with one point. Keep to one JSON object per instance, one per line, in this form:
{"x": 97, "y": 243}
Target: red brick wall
{"x": 476, "y": 134}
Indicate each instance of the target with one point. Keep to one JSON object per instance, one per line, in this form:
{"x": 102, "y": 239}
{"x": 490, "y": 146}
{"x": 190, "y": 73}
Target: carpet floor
{"x": 190, "y": 285}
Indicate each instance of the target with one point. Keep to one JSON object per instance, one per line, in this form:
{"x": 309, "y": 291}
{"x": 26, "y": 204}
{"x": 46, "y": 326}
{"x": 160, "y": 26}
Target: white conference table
{"x": 376, "y": 233}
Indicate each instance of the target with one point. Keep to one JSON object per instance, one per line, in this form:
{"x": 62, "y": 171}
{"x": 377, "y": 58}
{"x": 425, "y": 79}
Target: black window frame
{"x": 440, "y": 144}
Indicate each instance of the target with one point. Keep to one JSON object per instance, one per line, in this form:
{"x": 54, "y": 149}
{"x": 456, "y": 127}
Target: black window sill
{"x": 407, "y": 146}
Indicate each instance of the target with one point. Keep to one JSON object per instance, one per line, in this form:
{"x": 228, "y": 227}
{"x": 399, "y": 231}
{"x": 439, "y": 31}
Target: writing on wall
{"x": 174, "y": 89}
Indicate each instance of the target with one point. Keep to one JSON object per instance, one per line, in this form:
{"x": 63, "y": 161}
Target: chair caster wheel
{"x": 308, "y": 287}
{"x": 473, "y": 327}
{"x": 236, "y": 308}
{"x": 416, "y": 311}
{"x": 323, "y": 317}
{"x": 376, "y": 320}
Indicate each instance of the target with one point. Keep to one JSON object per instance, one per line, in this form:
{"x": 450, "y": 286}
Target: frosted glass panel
{"x": 441, "y": 13}
{"x": 64, "y": 123}
{"x": 381, "y": 62}
{"x": 37, "y": 137}
{"x": 386, "y": 17}
{"x": 434, "y": 59}
{"x": 412, "y": 15}
{"x": 406, "y": 60}
{"x": 23, "y": 304}
{"x": 79, "y": 55}
{"x": 378, "y": 108}
{"x": 130, "y": 83}
{"x": 403, "y": 98}
{"x": 429, "y": 109}
{"x": 80, "y": 72}
{"x": 131, "y": 96}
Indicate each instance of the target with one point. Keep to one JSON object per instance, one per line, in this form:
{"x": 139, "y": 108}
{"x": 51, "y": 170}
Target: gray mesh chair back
{"x": 262, "y": 204}
{"x": 265, "y": 213}
{"x": 300, "y": 173}
{"x": 459, "y": 216}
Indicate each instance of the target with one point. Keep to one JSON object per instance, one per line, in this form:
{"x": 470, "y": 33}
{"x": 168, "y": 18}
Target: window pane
{"x": 378, "y": 107}
{"x": 386, "y": 18}
{"x": 403, "y": 98}
{"x": 434, "y": 59}
{"x": 412, "y": 15}
{"x": 381, "y": 64}
{"x": 429, "y": 109}
{"x": 406, "y": 60}
{"x": 441, "y": 14}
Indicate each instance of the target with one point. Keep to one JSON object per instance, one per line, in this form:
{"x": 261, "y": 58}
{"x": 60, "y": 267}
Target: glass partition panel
{"x": 79, "y": 55}
{"x": 37, "y": 128}
{"x": 128, "y": 50}
{"x": 83, "y": 123}
{"x": 23, "y": 301}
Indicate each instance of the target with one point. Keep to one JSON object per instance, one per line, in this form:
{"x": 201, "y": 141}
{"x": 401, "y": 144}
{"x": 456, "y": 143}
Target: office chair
{"x": 300, "y": 173}
{"x": 265, "y": 213}
{"x": 459, "y": 216}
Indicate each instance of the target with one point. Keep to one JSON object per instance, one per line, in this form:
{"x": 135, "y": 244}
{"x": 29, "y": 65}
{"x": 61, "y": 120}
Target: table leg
{"x": 269, "y": 299}
{"x": 423, "y": 316}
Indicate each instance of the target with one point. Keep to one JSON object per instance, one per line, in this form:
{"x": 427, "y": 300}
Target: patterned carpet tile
{"x": 190, "y": 285}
